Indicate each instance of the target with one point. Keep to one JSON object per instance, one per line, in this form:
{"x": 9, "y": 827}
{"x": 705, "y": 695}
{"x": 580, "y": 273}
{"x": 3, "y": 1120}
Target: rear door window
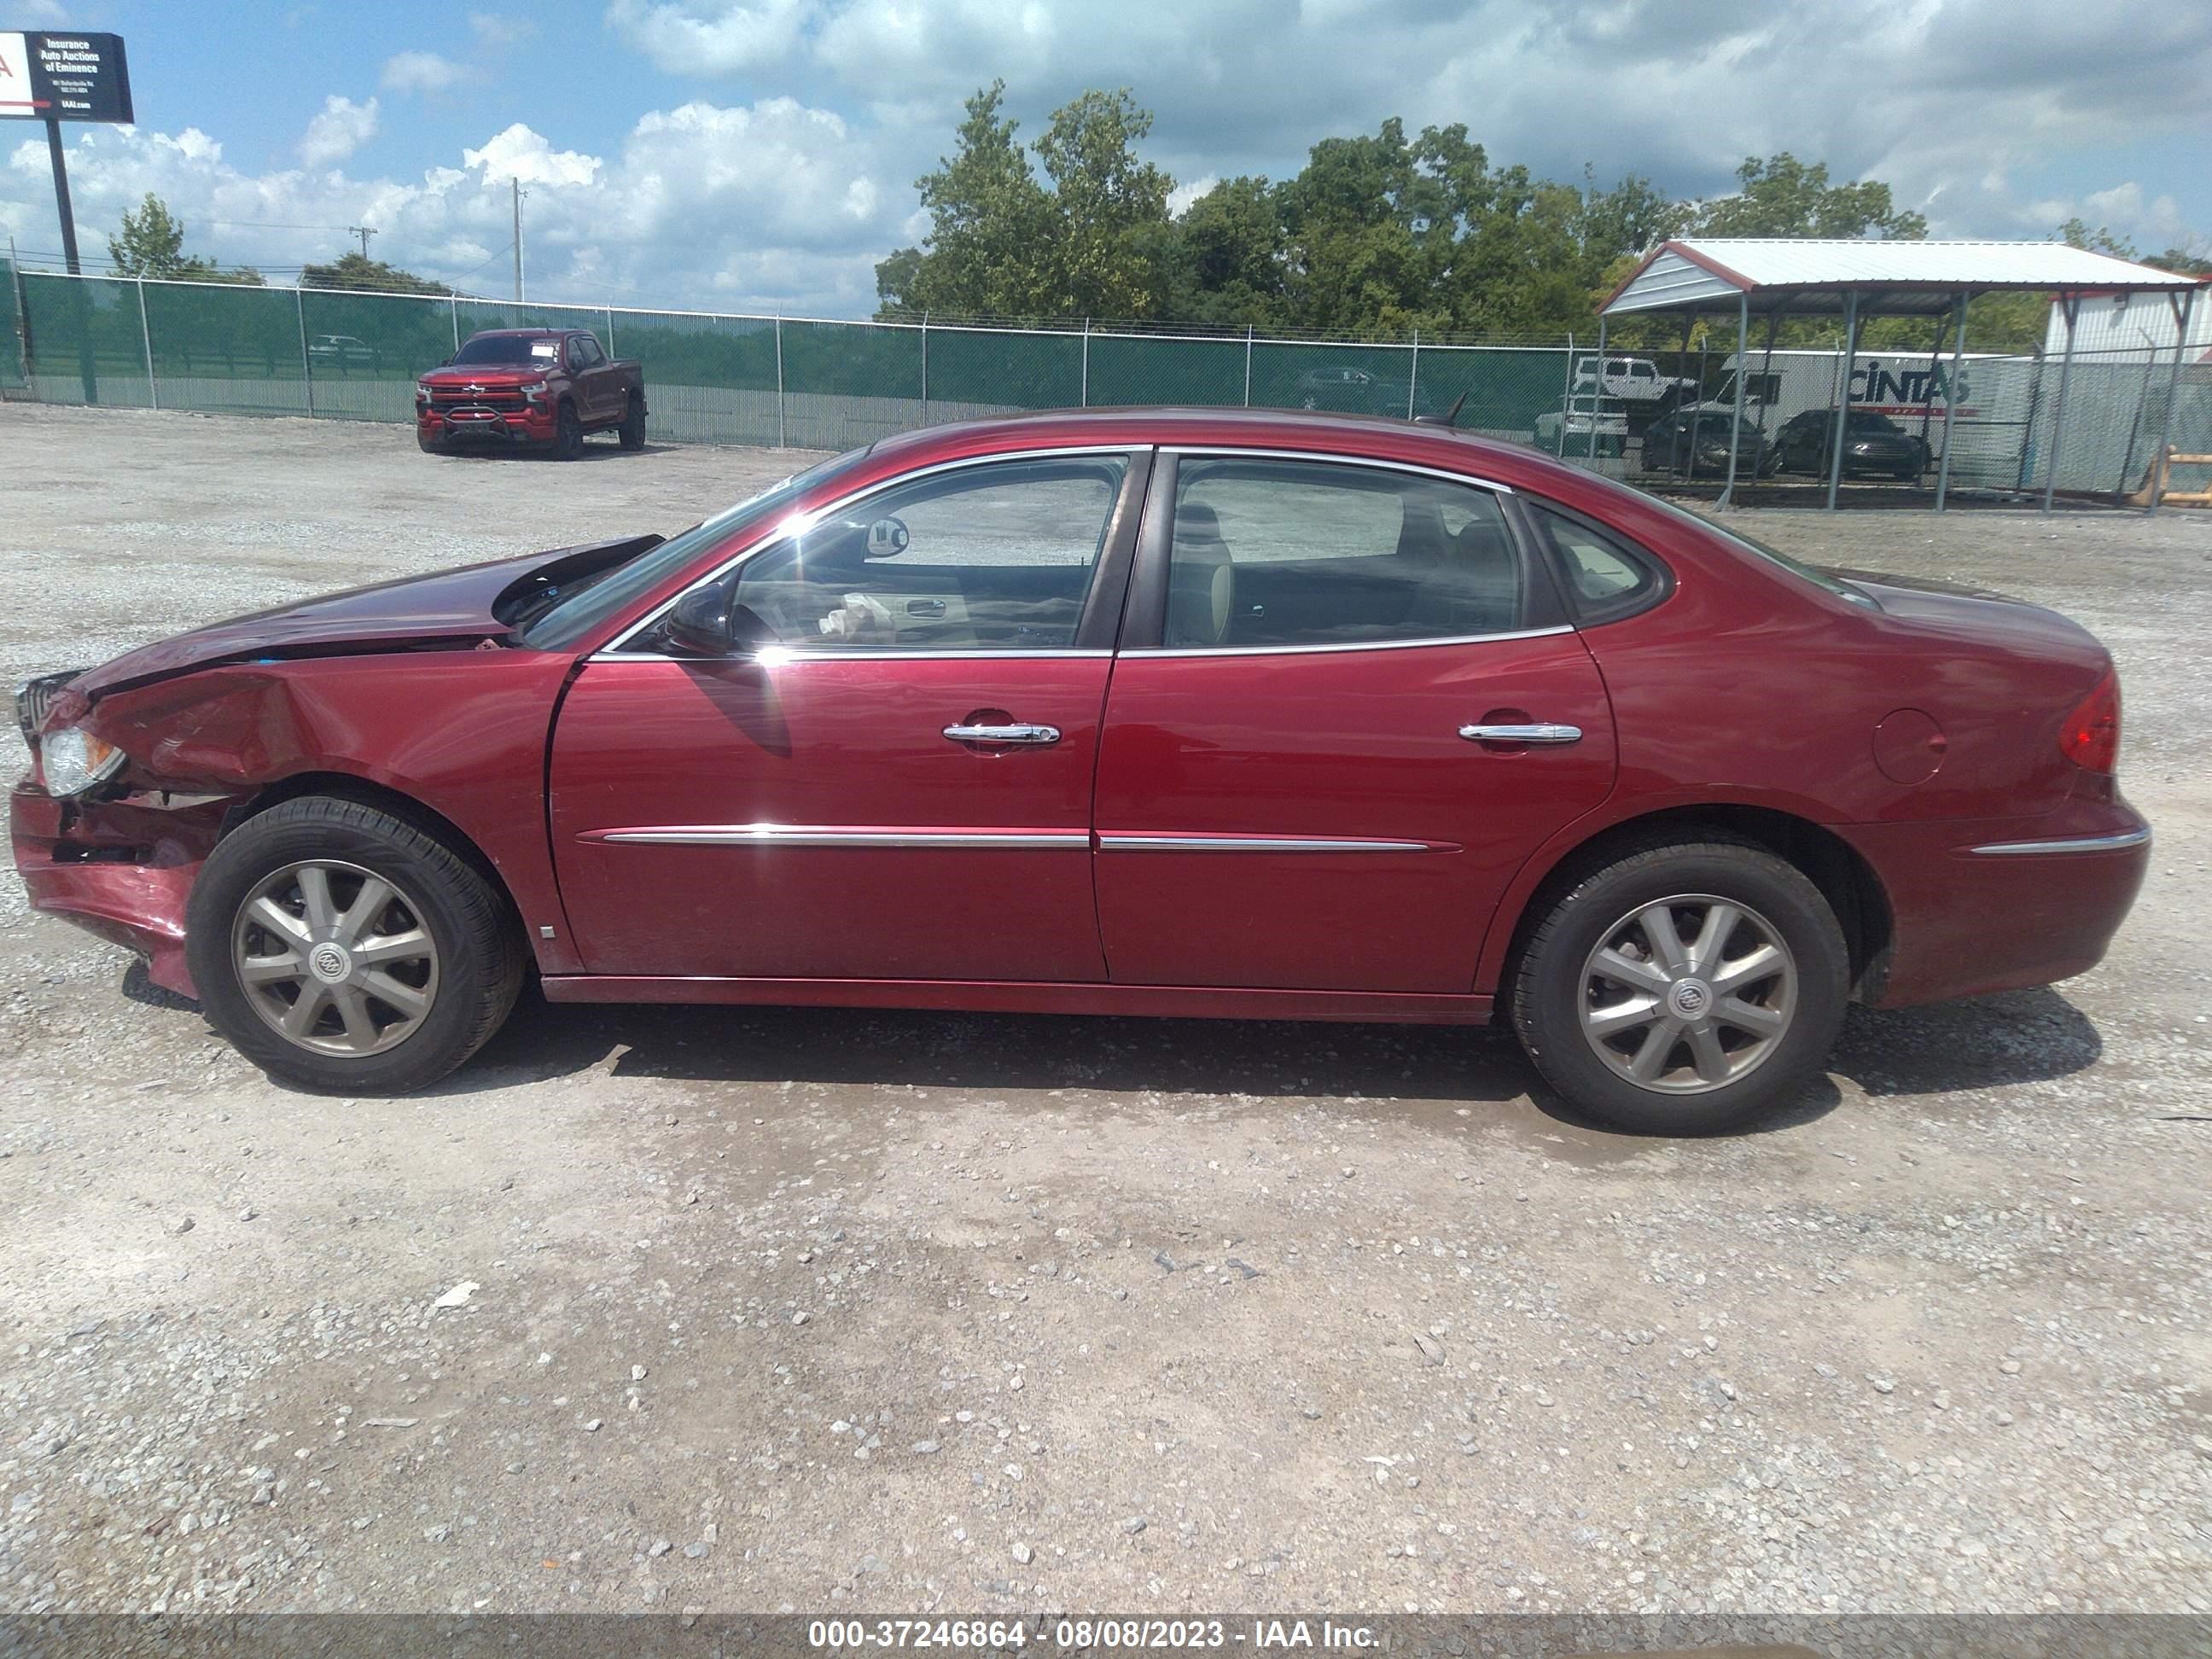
{"x": 1289, "y": 553}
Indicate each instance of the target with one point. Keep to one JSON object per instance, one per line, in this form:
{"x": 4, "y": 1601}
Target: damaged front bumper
{"x": 121, "y": 868}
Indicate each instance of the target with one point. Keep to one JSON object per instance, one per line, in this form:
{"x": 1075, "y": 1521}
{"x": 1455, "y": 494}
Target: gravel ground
{"x": 749, "y": 1310}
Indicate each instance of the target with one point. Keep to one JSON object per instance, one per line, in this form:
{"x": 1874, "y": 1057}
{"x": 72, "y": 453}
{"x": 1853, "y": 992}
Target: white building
{"x": 2107, "y": 323}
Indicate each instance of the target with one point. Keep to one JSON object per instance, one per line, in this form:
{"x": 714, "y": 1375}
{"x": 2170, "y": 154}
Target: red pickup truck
{"x": 536, "y": 388}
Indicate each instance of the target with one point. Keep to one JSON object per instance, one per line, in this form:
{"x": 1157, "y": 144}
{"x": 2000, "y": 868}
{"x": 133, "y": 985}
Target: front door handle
{"x": 1530, "y": 735}
{"x": 1027, "y": 735}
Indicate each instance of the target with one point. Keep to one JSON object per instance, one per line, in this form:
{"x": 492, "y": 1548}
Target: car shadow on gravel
{"x": 591, "y": 451}
{"x": 896, "y": 1048}
{"x": 1427, "y": 1074}
{"x": 1984, "y": 1042}
{"x": 1988, "y": 1043}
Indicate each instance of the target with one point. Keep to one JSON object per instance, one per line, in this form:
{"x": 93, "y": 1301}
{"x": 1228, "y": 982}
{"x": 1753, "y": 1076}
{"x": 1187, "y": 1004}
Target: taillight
{"x": 2091, "y": 736}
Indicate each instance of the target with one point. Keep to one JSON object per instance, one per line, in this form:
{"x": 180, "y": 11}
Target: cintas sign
{"x": 63, "y": 77}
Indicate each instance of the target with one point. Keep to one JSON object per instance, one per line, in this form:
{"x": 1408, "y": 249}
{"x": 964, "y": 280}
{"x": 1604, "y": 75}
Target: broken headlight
{"x": 72, "y": 760}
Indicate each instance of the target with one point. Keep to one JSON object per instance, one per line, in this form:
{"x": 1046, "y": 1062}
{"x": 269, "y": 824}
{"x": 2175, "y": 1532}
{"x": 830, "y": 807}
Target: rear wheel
{"x": 632, "y": 430}
{"x": 568, "y": 434}
{"x": 1683, "y": 988}
{"x": 343, "y": 951}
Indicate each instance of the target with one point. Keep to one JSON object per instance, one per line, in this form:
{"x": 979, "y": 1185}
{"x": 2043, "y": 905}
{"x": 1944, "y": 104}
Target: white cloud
{"x": 495, "y": 31}
{"x": 712, "y": 37}
{"x": 1957, "y": 103}
{"x": 341, "y": 128}
{"x": 422, "y": 71}
{"x": 1184, "y": 194}
{"x": 519, "y": 152}
{"x": 37, "y": 15}
{"x": 1969, "y": 107}
{"x": 761, "y": 208}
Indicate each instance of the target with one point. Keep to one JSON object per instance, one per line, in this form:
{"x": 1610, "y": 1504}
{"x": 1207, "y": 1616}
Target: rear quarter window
{"x": 1606, "y": 575}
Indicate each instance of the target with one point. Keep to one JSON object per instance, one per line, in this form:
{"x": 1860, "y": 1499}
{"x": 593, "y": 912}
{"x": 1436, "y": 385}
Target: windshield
{"x": 510, "y": 348}
{"x": 587, "y": 606}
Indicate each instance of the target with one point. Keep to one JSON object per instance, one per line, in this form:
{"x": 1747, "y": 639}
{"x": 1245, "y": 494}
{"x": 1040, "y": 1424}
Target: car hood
{"x": 454, "y": 608}
{"x": 490, "y": 373}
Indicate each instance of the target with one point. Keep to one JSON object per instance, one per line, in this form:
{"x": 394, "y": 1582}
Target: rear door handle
{"x": 1529, "y": 734}
{"x": 1029, "y": 736}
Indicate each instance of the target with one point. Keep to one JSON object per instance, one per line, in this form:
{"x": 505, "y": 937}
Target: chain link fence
{"x": 1650, "y": 415}
{"x": 714, "y": 379}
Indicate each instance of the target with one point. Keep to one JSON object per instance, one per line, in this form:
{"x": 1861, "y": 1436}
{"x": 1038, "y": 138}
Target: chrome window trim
{"x": 799, "y": 523}
{"x": 1240, "y": 452}
{"x": 1141, "y": 843}
{"x": 1366, "y": 645}
{"x": 808, "y": 834}
{"x": 787, "y": 656}
{"x": 2113, "y": 843}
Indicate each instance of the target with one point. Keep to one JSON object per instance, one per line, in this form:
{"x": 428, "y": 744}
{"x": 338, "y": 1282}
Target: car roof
{"x": 1373, "y": 437}
{"x": 522, "y": 333}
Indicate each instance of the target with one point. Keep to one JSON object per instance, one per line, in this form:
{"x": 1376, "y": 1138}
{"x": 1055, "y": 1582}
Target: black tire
{"x": 481, "y": 956}
{"x": 632, "y": 430}
{"x": 1549, "y": 992}
{"x": 568, "y": 434}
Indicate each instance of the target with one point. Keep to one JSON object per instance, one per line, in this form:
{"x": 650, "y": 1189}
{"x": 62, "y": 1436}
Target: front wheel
{"x": 1683, "y": 988}
{"x": 345, "y": 951}
{"x": 568, "y": 434}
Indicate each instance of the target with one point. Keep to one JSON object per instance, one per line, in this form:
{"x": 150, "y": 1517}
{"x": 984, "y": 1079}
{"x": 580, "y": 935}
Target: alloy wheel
{"x": 335, "y": 958}
{"x": 1687, "y": 994}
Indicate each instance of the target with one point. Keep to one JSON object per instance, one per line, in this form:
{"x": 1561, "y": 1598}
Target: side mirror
{"x": 707, "y": 623}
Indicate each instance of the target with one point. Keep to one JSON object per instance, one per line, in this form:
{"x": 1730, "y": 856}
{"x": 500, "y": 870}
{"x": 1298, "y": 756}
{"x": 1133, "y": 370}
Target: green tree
{"x": 151, "y": 244}
{"x": 992, "y": 235}
{"x": 1106, "y": 203}
{"x": 1224, "y": 259}
{"x": 2075, "y": 233}
{"x": 1782, "y": 196}
{"x": 357, "y": 271}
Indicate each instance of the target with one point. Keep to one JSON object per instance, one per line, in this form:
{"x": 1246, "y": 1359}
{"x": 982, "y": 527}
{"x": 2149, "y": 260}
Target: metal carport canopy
{"x": 1744, "y": 276}
{"x": 1716, "y": 276}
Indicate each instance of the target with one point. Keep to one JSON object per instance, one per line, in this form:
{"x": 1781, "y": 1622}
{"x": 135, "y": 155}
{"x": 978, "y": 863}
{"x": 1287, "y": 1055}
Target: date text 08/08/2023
{"x": 1090, "y": 1634}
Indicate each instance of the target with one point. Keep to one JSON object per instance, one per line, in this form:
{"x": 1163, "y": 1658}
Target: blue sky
{"x": 761, "y": 154}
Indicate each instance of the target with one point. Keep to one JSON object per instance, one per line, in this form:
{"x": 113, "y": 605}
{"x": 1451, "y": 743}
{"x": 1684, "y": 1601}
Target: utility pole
{"x": 364, "y": 232}
{"x": 517, "y": 183}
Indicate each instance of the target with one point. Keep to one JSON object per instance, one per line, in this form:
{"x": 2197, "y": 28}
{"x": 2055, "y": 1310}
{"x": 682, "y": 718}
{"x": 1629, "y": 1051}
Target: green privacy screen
{"x": 11, "y": 330}
{"x": 713, "y": 378}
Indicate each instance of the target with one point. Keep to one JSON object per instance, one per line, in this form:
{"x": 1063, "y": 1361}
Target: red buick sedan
{"x": 1184, "y": 713}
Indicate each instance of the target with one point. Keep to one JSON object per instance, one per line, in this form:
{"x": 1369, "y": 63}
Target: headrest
{"x": 1196, "y": 522}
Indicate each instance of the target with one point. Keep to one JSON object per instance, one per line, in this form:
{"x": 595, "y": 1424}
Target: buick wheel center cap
{"x": 329, "y": 963}
{"x": 1690, "y": 998}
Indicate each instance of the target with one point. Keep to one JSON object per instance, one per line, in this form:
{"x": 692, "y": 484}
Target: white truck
{"x": 1635, "y": 381}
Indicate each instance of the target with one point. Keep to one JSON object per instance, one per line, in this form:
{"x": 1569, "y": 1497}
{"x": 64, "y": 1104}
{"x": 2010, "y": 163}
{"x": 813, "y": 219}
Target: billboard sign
{"x": 55, "y": 77}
